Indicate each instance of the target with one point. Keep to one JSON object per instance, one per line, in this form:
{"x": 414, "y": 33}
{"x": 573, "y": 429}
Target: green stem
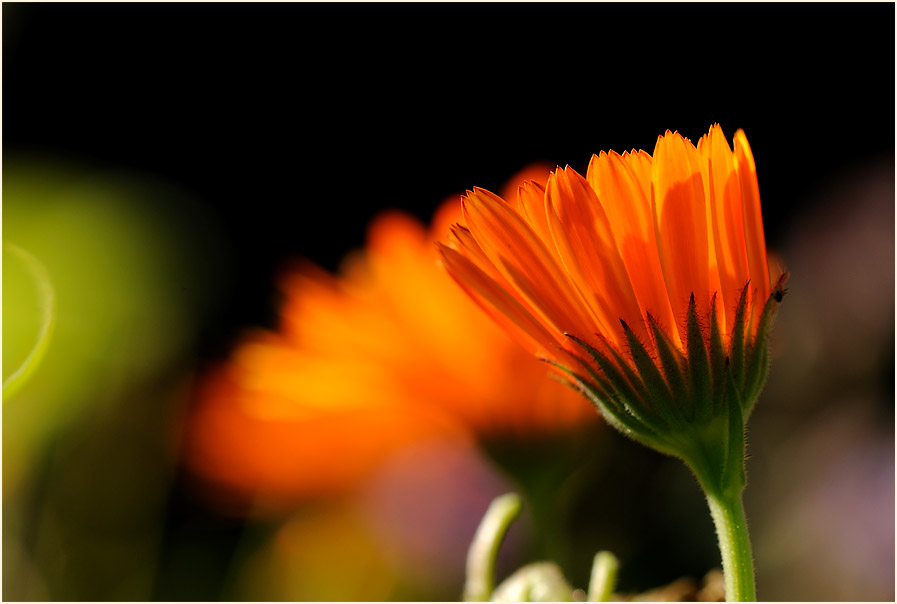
{"x": 735, "y": 546}
{"x": 604, "y": 577}
{"x": 546, "y": 509}
{"x": 481, "y": 557}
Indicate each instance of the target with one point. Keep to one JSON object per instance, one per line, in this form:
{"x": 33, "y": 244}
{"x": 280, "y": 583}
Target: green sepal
{"x": 736, "y": 346}
{"x": 598, "y": 387}
{"x": 599, "y": 383}
{"x": 734, "y": 478}
{"x": 671, "y": 361}
{"x": 642, "y": 398}
{"x": 616, "y": 414}
{"x": 717, "y": 359}
{"x": 692, "y": 404}
{"x": 624, "y": 384}
{"x": 700, "y": 383}
{"x": 617, "y": 417}
{"x": 758, "y": 356}
{"x": 754, "y": 387}
{"x": 660, "y": 396}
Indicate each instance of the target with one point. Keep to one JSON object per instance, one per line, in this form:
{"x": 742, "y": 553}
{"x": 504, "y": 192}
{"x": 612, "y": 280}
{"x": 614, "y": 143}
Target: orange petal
{"x": 462, "y": 240}
{"x": 522, "y": 258}
{"x": 680, "y": 219}
{"x": 640, "y": 162}
{"x": 585, "y": 243}
{"x": 727, "y": 222}
{"x": 530, "y": 204}
{"x": 629, "y": 213}
{"x": 498, "y": 303}
{"x": 755, "y": 240}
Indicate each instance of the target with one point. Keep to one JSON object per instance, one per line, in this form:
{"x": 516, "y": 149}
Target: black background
{"x": 296, "y": 123}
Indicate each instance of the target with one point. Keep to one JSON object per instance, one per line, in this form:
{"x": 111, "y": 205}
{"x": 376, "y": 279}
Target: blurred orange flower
{"x": 387, "y": 353}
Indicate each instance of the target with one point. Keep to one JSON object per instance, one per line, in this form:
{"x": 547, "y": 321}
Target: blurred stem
{"x": 547, "y": 471}
{"x": 547, "y": 510}
{"x": 481, "y": 557}
{"x": 604, "y": 577}
{"x": 735, "y": 546}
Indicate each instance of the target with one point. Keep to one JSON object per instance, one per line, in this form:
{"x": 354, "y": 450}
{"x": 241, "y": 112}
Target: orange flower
{"x": 646, "y": 282}
{"x": 390, "y": 352}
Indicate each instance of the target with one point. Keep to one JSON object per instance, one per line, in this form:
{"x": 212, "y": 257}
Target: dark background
{"x": 294, "y": 124}
{"x": 299, "y": 122}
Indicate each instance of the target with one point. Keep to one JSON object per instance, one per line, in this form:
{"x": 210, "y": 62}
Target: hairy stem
{"x": 735, "y": 546}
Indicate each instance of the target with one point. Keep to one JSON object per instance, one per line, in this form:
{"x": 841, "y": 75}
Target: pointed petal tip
{"x": 531, "y": 184}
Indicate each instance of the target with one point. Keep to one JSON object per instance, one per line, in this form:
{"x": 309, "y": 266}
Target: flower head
{"x": 646, "y": 283}
{"x": 363, "y": 364}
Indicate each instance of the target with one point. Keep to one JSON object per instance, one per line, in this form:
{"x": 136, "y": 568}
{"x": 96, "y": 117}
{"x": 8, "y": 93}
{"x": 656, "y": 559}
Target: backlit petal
{"x": 680, "y": 220}
{"x": 628, "y": 210}
{"x": 727, "y": 222}
{"x": 582, "y": 232}
{"x": 498, "y": 303}
{"x": 753, "y": 219}
{"x": 522, "y": 258}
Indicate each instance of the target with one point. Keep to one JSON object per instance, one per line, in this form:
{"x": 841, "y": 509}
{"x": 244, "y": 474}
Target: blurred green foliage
{"x": 32, "y": 303}
{"x": 84, "y": 479}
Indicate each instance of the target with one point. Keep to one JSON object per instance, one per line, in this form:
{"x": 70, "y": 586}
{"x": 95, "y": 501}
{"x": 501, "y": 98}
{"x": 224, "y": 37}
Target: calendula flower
{"x": 363, "y": 364}
{"x": 647, "y": 283}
